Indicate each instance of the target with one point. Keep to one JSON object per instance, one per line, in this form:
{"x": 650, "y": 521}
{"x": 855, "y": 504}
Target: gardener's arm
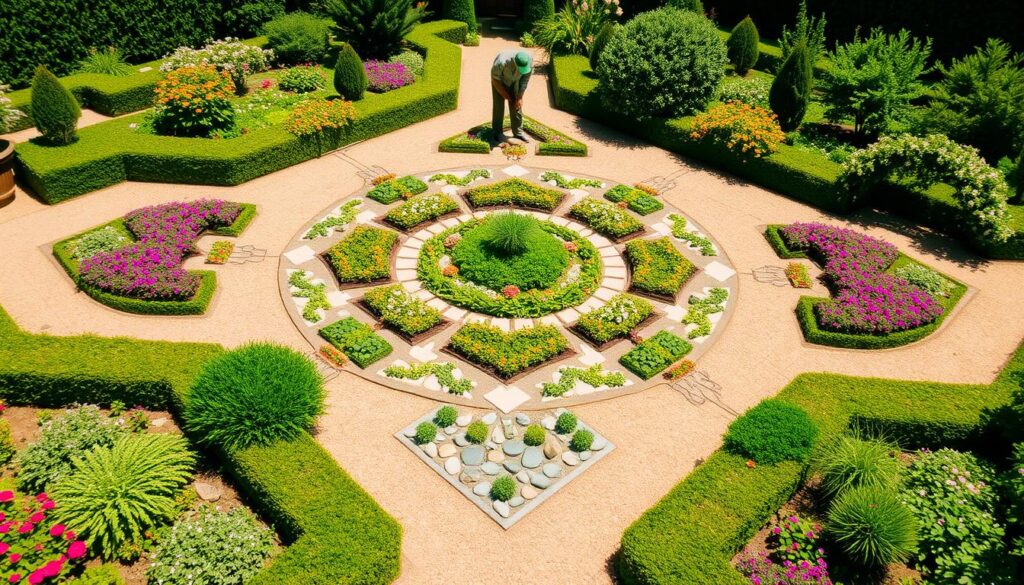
{"x": 518, "y": 99}
{"x": 500, "y": 88}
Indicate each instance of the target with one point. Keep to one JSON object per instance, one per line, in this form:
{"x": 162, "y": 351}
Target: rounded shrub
{"x": 873, "y": 527}
{"x": 791, "y": 90}
{"x": 691, "y": 5}
{"x": 254, "y": 395}
{"x": 581, "y": 440}
{"x": 476, "y": 432}
{"x": 412, "y": 61}
{"x": 566, "y": 423}
{"x": 601, "y": 41}
{"x": 534, "y": 435}
{"x": 426, "y": 432}
{"x": 510, "y": 249}
{"x": 298, "y": 37}
{"x": 461, "y": 10}
{"x": 663, "y": 63}
{"x": 100, "y": 575}
{"x": 349, "y": 74}
{"x": 54, "y": 109}
{"x": 851, "y": 462}
{"x": 534, "y": 10}
{"x": 503, "y": 489}
{"x": 772, "y": 432}
{"x": 742, "y": 46}
{"x": 446, "y": 416}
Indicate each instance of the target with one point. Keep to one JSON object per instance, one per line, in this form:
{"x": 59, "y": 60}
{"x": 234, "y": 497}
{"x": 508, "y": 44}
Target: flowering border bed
{"x": 550, "y": 142}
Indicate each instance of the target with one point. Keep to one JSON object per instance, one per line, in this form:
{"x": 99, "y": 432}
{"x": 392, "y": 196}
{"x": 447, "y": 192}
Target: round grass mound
{"x": 254, "y": 395}
{"x": 510, "y": 249}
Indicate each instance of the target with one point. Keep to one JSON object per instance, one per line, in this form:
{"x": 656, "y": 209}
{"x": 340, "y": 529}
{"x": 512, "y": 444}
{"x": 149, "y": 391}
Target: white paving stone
{"x": 338, "y": 298}
{"x": 662, "y": 229}
{"x": 438, "y": 304}
{"x": 591, "y": 304}
{"x": 549, "y": 320}
{"x": 522, "y": 323}
{"x": 719, "y": 271}
{"x": 588, "y": 356}
{"x": 614, "y": 261}
{"x": 599, "y": 241}
{"x": 402, "y": 263}
{"x": 615, "y": 272}
{"x": 455, "y": 313}
{"x": 675, "y": 312}
{"x": 366, "y": 216}
{"x": 586, "y": 232}
{"x": 614, "y": 283}
{"x": 568, "y": 316}
{"x": 300, "y": 255}
{"x": 515, "y": 171}
{"x": 559, "y": 220}
{"x": 605, "y": 294}
{"x": 436, "y": 228}
{"x": 408, "y": 252}
{"x": 450, "y": 190}
{"x": 406, "y": 274}
{"x": 503, "y": 324}
{"x": 575, "y": 226}
{"x": 464, "y": 217}
{"x": 424, "y": 294}
{"x": 506, "y": 398}
{"x": 423, "y": 353}
{"x": 412, "y": 285}
{"x": 608, "y": 252}
{"x": 476, "y": 318}
{"x": 450, "y": 222}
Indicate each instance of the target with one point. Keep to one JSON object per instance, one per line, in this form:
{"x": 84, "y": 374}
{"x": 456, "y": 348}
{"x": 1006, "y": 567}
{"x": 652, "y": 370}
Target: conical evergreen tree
{"x": 791, "y": 90}
{"x": 461, "y": 10}
{"x": 54, "y": 110}
{"x": 607, "y": 32}
{"x": 534, "y": 10}
{"x": 742, "y": 45}
{"x": 349, "y": 74}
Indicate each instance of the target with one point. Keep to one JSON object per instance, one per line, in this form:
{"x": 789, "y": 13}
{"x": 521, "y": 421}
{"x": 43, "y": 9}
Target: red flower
{"x": 48, "y": 505}
{"x": 76, "y": 550}
{"x": 37, "y": 517}
{"x": 6, "y": 496}
{"x": 5, "y": 527}
{"x": 4, "y": 547}
{"x": 36, "y": 577}
{"x": 57, "y": 530}
{"x": 14, "y": 558}
{"x": 26, "y": 527}
{"x": 70, "y": 535}
{"x": 42, "y": 497}
{"x": 14, "y": 578}
{"x": 52, "y": 568}
{"x": 39, "y": 547}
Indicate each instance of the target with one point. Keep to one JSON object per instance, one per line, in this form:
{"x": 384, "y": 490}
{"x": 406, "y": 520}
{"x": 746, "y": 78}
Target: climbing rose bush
{"x": 981, "y": 190}
{"x": 866, "y": 298}
{"x": 151, "y": 267}
{"x": 35, "y": 550}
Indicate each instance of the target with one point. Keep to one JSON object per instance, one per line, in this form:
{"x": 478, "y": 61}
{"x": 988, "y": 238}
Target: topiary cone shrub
{"x": 742, "y": 45}
{"x": 54, "y": 110}
{"x": 600, "y": 41}
{"x": 534, "y": 10}
{"x": 461, "y": 10}
{"x": 349, "y": 74}
{"x": 791, "y": 91}
{"x": 772, "y": 432}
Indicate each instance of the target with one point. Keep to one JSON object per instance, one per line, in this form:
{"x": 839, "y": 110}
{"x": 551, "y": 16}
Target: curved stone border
{"x": 524, "y": 393}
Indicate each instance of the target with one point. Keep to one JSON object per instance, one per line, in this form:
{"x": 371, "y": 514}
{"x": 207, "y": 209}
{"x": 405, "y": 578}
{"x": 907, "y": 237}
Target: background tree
{"x": 742, "y": 45}
{"x": 873, "y": 80}
{"x": 691, "y": 5}
{"x": 791, "y": 90}
{"x": 535, "y": 11}
{"x": 810, "y": 31}
{"x": 54, "y": 110}
{"x": 980, "y": 101}
{"x": 349, "y": 74}
{"x": 461, "y": 10}
{"x": 374, "y": 28}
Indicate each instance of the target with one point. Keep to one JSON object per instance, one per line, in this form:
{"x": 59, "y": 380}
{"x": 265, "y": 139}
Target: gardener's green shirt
{"x": 504, "y": 70}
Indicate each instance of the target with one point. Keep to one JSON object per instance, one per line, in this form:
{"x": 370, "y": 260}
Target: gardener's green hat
{"x": 524, "y": 62}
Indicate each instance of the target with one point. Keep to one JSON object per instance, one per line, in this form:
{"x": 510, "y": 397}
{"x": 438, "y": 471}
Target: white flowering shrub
{"x": 232, "y": 55}
{"x": 981, "y": 190}
{"x": 8, "y": 115}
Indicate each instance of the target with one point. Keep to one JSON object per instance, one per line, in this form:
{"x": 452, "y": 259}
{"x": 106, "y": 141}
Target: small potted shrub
{"x": 8, "y": 116}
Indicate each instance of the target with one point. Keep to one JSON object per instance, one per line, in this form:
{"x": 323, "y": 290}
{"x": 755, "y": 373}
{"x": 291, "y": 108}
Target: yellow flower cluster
{"x": 315, "y": 116}
{"x": 194, "y": 88}
{"x": 741, "y": 127}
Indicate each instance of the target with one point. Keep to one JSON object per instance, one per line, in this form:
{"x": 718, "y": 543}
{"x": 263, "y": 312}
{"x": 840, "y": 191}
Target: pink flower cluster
{"x": 382, "y": 76}
{"x": 866, "y": 299}
{"x": 151, "y": 267}
{"x": 30, "y": 553}
{"x": 762, "y": 571}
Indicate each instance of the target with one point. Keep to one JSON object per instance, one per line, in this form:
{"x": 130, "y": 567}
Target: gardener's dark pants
{"x": 498, "y": 113}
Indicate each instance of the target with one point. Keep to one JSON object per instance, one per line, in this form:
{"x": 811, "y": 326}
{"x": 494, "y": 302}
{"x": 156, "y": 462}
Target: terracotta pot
{"x": 6, "y": 172}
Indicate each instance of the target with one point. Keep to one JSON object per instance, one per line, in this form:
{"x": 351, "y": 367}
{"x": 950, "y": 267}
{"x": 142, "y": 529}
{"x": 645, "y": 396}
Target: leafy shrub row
{"x": 605, "y": 218}
{"x": 356, "y": 340}
{"x": 401, "y": 310}
{"x": 420, "y": 209}
{"x": 653, "y": 355}
{"x": 515, "y": 192}
{"x": 635, "y": 199}
{"x": 507, "y": 353}
{"x": 395, "y": 189}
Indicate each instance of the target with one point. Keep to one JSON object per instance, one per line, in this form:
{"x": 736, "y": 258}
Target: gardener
{"x": 510, "y": 75}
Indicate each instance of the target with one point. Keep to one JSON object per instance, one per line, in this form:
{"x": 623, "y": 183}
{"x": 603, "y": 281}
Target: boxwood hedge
{"x": 336, "y": 532}
{"x": 112, "y": 152}
{"x": 691, "y": 535}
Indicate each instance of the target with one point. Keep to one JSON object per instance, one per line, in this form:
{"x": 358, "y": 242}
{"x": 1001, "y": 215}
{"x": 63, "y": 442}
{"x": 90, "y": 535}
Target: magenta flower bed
{"x": 762, "y": 571}
{"x": 151, "y": 267}
{"x": 33, "y": 549}
{"x": 382, "y": 76}
{"x": 866, "y": 299}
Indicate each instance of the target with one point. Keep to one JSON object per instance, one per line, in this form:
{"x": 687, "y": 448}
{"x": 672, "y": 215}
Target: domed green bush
{"x": 851, "y": 463}
{"x": 601, "y": 41}
{"x": 742, "y": 46}
{"x": 873, "y": 527}
{"x": 772, "y": 432}
{"x": 349, "y": 74}
{"x": 663, "y": 63}
{"x": 461, "y": 10}
{"x": 534, "y": 435}
{"x": 510, "y": 249}
{"x": 566, "y": 423}
{"x": 254, "y": 395}
{"x": 581, "y": 440}
{"x": 54, "y": 110}
{"x": 503, "y": 489}
{"x": 791, "y": 89}
{"x": 476, "y": 432}
{"x": 446, "y": 416}
{"x": 298, "y": 37}
{"x": 426, "y": 432}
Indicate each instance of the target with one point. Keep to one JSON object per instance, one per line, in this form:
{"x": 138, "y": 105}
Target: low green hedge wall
{"x": 690, "y": 536}
{"x": 336, "y": 532}
{"x": 796, "y": 173}
{"x": 112, "y": 152}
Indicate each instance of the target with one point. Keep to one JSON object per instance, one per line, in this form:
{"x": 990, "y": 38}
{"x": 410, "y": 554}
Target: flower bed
{"x": 420, "y": 209}
{"x": 508, "y": 354}
{"x": 390, "y": 191}
{"x": 635, "y": 199}
{"x": 443, "y": 371}
{"x": 594, "y": 376}
{"x": 622, "y": 314}
{"x": 563, "y": 183}
{"x": 334, "y": 223}
{"x": 514, "y": 192}
{"x": 573, "y": 288}
{"x": 466, "y": 179}
{"x": 219, "y": 252}
{"x": 797, "y": 275}
{"x": 382, "y": 76}
{"x": 357, "y": 341}
{"x": 402, "y": 311}
{"x": 658, "y": 269}
{"x": 35, "y": 548}
{"x": 655, "y": 354}
{"x": 315, "y": 295}
{"x": 701, "y": 308}
{"x": 695, "y": 240}
{"x": 606, "y": 219}
{"x": 550, "y": 142}
{"x": 363, "y": 256}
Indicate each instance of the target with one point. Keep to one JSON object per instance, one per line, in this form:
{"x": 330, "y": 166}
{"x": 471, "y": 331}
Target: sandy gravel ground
{"x": 658, "y": 433}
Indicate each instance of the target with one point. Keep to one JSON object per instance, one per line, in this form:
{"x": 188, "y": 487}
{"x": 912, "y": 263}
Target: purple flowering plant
{"x": 866, "y": 299}
{"x": 150, "y": 268}
{"x": 382, "y": 76}
{"x": 762, "y": 570}
{"x": 795, "y": 540}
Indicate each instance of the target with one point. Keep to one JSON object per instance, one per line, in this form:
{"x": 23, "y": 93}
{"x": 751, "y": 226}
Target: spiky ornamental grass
{"x": 254, "y": 395}
{"x": 873, "y": 526}
{"x": 511, "y": 232}
{"x": 851, "y": 462}
{"x": 114, "y": 495}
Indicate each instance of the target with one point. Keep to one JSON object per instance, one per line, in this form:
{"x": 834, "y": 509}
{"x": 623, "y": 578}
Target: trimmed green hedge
{"x": 336, "y": 532}
{"x": 550, "y": 142}
{"x": 691, "y": 535}
{"x": 799, "y": 174}
{"x": 112, "y": 152}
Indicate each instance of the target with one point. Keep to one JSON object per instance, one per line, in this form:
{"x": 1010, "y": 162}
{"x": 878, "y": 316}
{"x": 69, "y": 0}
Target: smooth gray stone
{"x": 523, "y": 419}
{"x": 532, "y": 457}
{"x": 430, "y": 449}
{"x": 598, "y": 444}
{"x": 489, "y": 418}
{"x": 451, "y": 430}
{"x": 473, "y": 455}
{"x": 502, "y": 508}
{"x": 523, "y": 476}
{"x": 513, "y": 466}
{"x": 482, "y": 489}
{"x": 461, "y": 440}
{"x": 513, "y": 447}
{"x": 410, "y": 432}
{"x": 490, "y": 468}
{"x": 548, "y": 422}
{"x": 464, "y": 420}
{"x": 570, "y": 459}
{"x": 552, "y": 470}
{"x": 586, "y": 455}
{"x": 538, "y": 480}
{"x": 516, "y": 501}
